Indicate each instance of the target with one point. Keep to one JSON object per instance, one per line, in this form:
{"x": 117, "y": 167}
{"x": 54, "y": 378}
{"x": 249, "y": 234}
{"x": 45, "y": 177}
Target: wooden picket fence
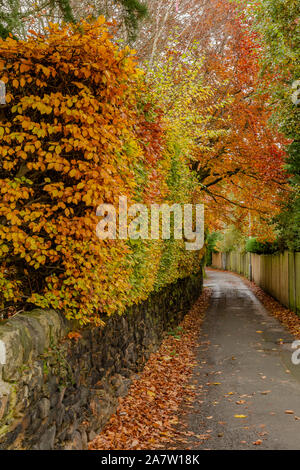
{"x": 277, "y": 274}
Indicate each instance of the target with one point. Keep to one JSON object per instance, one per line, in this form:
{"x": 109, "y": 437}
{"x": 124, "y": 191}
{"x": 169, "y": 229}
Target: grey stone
{"x": 84, "y": 439}
{"x": 44, "y": 408}
{"x": 47, "y": 439}
{"x": 122, "y": 390}
{"x": 11, "y": 340}
{"x": 3, "y": 405}
{"x": 92, "y": 435}
{"x": 75, "y": 443}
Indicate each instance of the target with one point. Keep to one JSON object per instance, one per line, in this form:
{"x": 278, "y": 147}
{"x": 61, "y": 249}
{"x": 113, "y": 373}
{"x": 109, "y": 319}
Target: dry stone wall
{"x": 58, "y": 393}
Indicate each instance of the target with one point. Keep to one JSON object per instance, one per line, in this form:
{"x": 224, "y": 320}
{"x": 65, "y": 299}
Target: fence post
{"x": 250, "y": 267}
{"x": 223, "y": 259}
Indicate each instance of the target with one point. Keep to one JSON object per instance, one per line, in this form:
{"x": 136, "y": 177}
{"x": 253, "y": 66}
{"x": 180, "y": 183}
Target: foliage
{"x": 277, "y": 22}
{"x": 83, "y": 126}
{"x": 212, "y": 239}
{"x": 79, "y": 130}
{"x": 126, "y": 16}
{"x": 17, "y": 16}
{"x": 242, "y": 171}
{"x": 180, "y": 86}
{"x": 177, "y": 25}
{"x": 261, "y": 248}
{"x": 65, "y": 8}
{"x": 210, "y": 105}
{"x": 288, "y": 221}
{"x": 231, "y": 239}
{"x": 134, "y": 12}
{"x": 288, "y": 224}
{"x": 14, "y": 14}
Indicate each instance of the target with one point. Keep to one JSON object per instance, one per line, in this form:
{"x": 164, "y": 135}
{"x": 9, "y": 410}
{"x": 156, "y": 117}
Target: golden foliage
{"x": 78, "y": 131}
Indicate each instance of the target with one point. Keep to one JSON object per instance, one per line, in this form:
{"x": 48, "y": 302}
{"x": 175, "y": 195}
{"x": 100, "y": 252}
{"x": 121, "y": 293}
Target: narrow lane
{"x": 247, "y": 389}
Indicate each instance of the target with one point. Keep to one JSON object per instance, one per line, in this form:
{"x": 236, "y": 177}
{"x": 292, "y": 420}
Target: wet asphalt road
{"x": 244, "y": 379}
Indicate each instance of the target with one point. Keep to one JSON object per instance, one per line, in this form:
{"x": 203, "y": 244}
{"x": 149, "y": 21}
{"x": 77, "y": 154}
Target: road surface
{"x": 247, "y": 389}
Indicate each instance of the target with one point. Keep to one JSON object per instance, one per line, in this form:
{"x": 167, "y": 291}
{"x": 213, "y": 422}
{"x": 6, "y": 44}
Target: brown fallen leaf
{"x": 257, "y": 443}
{"x": 289, "y": 412}
{"x": 158, "y": 424}
{"x": 151, "y": 394}
{"x": 202, "y": 437}
{"x": 166, "y": 358}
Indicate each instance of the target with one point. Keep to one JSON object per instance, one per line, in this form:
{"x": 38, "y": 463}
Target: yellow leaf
{"x": 24, "y": 68}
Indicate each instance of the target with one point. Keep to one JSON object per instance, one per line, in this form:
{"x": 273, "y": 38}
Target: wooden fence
{"x": 278, "y": 274}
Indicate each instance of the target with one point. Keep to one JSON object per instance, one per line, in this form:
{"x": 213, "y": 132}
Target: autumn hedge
{"x": 80, "y": 128}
